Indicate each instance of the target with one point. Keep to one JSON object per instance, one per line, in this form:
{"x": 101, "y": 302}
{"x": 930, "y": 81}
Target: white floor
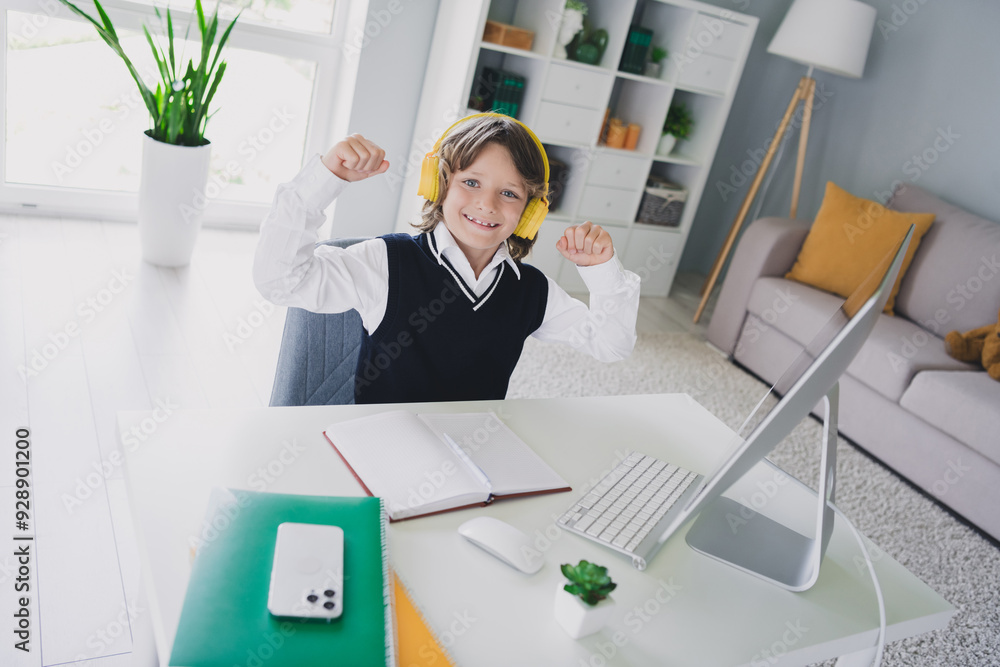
{"x": 88, "y": 329}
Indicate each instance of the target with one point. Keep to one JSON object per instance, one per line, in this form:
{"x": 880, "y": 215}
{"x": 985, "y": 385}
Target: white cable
{"x": 772, "y": 168}
{"x": 878, "y": 588}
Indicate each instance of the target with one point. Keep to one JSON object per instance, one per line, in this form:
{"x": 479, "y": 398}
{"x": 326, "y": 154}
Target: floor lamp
{"x": 829, "y": 35}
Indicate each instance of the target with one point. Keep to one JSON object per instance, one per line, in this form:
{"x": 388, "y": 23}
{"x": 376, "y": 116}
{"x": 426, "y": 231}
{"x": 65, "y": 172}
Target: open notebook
{"x": 423, "y": 464}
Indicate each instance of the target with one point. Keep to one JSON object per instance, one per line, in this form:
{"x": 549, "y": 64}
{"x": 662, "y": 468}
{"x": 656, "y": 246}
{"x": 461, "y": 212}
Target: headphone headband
{"x": 536, "y": 208}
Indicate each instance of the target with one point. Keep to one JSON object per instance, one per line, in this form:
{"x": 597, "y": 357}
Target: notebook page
{"x": 511, "y": 465}
{"x": 401, "y": 461}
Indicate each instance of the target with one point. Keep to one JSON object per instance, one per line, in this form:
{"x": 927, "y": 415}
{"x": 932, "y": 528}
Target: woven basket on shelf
{"x": 662, "y": 203}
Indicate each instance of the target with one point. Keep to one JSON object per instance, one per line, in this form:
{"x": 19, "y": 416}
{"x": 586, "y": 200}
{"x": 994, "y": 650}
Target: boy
{"x": 454, "y": 304}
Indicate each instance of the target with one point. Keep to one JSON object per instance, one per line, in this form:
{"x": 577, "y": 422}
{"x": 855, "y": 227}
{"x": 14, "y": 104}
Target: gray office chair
{"x": 318, "y": 354}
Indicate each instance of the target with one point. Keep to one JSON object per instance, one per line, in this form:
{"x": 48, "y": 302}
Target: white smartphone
{"x": 307, "y": 577}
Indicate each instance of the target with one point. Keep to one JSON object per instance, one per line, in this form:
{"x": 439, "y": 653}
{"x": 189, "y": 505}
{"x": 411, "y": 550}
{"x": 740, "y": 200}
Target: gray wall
{"x": 933, "y": 71}
{"x": 390, "y": 76}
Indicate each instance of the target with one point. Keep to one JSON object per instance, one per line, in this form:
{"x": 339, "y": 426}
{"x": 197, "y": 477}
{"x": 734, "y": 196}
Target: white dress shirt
{"x": 290, "y": 270}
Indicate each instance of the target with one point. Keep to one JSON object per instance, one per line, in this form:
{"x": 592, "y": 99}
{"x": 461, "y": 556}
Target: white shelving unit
{"x": 565, "y": 103}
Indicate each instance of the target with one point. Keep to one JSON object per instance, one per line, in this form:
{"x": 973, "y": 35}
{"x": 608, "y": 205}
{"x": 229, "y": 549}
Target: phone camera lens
{"x": 329, "y": 605}
{"x": 312, "y": 597}
{"x": 328, "y": 593}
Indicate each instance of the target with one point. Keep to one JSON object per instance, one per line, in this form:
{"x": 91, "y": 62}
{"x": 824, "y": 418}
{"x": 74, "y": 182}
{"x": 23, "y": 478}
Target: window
{"x": 73, "y": 117}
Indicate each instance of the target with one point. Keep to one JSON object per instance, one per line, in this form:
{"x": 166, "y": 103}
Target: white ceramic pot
{"x": 579, "y": 619}
{"x": 171, "y": 200}
{"x": 667, "y": 143}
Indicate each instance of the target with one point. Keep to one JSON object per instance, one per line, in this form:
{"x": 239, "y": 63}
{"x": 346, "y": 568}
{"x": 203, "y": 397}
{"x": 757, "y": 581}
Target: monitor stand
{"x": 733, "y": 533}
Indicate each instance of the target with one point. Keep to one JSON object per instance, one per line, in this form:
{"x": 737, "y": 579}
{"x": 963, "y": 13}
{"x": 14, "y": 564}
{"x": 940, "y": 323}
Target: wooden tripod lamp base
{"x": 804, "y": 93}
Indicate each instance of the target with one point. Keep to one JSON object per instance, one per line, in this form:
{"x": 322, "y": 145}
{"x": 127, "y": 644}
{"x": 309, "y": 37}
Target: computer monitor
{"x": 764, "y": 547}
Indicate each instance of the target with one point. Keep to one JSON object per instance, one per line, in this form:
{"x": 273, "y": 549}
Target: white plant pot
{"x": 171, "y": 200}
{"x": 667, "y": 143}
{"x": 579, "y": 619}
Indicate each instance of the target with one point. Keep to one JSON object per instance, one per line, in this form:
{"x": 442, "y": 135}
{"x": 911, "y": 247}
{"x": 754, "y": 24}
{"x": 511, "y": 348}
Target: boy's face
{"x": 484, "y": 202}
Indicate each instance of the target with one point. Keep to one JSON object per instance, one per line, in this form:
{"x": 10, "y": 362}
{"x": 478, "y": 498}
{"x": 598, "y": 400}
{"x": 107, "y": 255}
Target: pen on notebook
{"x": 476, "y": 470}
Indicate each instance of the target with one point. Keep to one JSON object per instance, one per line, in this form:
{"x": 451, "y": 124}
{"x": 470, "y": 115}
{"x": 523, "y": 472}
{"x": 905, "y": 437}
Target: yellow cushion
{"x": 849, "y": 238}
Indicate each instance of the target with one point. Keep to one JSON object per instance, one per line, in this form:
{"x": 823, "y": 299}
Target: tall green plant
{"x": 179, "y": 105}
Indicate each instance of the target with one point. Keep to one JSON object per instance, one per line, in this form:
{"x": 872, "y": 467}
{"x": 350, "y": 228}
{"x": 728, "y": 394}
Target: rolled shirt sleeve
{"x": 290, "y": 270}
{"x": 605, "y": 329}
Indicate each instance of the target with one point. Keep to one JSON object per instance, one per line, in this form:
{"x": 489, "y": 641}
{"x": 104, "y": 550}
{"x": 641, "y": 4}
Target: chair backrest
{"x": 318, "y": 355}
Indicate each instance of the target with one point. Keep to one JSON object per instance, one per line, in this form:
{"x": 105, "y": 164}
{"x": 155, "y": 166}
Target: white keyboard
{"x": 631, "y": 500}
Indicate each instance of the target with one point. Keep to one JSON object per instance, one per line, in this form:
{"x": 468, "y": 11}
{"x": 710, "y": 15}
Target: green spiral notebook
{"x": 225, "y": 621}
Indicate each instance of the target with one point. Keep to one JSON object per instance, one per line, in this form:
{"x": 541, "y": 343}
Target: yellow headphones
{"x": 534, "y": 212}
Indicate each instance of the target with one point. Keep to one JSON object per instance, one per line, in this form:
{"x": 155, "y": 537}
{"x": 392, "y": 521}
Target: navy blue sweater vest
{"x": 438, "y": 341}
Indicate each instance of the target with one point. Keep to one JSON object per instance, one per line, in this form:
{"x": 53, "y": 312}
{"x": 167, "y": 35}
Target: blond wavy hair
{"x": 461, "y": 148}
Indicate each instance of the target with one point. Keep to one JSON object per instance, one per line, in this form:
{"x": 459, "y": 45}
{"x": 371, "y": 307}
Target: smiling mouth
{"x": 487, "y": 225}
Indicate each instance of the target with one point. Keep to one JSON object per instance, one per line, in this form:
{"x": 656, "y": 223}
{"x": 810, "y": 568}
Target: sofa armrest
{"x": 768, "y": 247}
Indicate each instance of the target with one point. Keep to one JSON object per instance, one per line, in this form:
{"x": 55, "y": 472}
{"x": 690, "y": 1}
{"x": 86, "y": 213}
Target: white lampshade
{"x": 831, "y": 35}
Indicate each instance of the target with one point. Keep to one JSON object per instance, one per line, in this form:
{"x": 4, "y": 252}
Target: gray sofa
{"x": 934, "y": 420}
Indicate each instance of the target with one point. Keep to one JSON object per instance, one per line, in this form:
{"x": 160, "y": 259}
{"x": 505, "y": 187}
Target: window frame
{"x": 331, "y": 94}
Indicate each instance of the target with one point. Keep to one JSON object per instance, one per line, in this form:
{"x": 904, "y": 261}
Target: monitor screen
{"x": 804, "y": 384}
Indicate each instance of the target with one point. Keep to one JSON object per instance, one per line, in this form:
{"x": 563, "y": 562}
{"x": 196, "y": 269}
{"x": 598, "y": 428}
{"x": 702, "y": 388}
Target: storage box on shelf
{"x": 508, "y": 35}
{"x": 565, "y": 103}
{"x": 662, "y": 203}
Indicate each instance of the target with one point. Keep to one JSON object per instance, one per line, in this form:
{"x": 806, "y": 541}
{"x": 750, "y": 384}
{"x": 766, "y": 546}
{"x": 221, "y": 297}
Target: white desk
{"x": 685, "y": 609}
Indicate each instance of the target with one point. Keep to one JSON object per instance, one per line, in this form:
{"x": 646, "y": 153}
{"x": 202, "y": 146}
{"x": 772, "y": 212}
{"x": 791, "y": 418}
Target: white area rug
{"x": 950, "y": 557}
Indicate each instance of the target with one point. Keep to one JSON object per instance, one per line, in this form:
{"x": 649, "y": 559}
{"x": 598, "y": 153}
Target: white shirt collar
{"x": 447, "y": 247}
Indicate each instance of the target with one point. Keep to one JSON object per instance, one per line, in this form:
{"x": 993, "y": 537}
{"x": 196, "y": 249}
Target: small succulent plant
{"x": 590, "y": 582}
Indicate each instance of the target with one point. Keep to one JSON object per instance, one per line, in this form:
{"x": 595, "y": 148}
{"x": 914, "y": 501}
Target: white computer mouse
{"x": 503, "y": 541}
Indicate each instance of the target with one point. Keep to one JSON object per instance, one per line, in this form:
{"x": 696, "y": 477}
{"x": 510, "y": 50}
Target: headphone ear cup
{"x": 428, "y": 188}
{"x": 532, "y": 218}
